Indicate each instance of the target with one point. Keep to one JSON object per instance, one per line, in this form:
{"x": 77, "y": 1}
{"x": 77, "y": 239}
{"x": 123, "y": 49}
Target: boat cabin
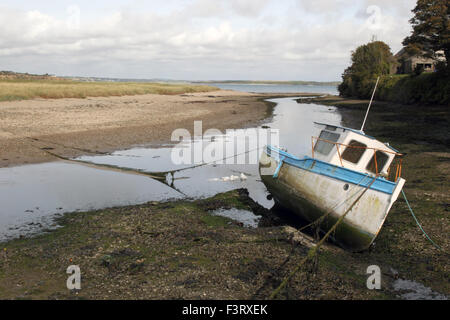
{"x": 352, "y": 149}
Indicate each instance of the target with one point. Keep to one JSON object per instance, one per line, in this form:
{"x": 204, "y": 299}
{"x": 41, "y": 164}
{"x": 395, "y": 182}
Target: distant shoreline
{"x": 17, "y": 75}
{"x": 269, "y": 82}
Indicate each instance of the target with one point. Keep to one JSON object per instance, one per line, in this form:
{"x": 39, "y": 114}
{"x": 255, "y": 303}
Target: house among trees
{"x": 409, "y": 63}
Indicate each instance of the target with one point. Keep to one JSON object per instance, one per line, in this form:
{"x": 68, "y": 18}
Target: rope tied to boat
{"x": 313, "y": 251}
{"x": 319, "y": 220}
{"x": 418, "y": 223}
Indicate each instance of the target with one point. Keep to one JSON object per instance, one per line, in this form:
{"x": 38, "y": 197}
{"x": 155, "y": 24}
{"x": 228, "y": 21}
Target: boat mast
{"x": 370, "y": 103}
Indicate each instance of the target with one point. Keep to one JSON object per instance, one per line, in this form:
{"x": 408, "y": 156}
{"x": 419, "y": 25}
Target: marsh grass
{"x": 56, "y": 89}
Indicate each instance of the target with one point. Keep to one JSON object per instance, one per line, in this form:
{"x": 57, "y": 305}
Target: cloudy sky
{"x": 195, "y": 39}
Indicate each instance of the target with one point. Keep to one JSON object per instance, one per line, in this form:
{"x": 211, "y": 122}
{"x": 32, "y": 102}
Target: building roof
{"x": 404, "y": 53}
{"x": 357, "y": 132}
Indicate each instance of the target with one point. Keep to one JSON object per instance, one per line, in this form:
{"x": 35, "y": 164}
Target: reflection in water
{"x": 31, "y": 194}
{"x": 294, "y": 122}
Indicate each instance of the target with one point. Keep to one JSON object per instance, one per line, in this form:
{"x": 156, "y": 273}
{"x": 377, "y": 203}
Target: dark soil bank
{"x": 172, "y": 251}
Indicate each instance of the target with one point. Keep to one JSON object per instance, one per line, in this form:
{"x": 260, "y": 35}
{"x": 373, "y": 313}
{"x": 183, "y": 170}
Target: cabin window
{"x": 324, "y": 147}
{"x": 354, "y": 151}
{"x": 381, "y": 162}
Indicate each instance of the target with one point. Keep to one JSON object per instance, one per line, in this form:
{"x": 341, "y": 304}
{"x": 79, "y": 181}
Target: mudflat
{"x": 35, "y": 130}
{"x": 179, "y": 249}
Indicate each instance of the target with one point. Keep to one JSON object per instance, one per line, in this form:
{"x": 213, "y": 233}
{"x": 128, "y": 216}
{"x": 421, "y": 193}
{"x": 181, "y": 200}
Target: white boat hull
{"x": 312, "y": 195}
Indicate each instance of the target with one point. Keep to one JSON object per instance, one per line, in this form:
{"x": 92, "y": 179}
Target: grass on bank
{"x": 11, "y": 90}
{"x": 426, "y": 88}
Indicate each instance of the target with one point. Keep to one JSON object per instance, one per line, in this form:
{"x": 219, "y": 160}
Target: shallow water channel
{"x": 32, "y": 195}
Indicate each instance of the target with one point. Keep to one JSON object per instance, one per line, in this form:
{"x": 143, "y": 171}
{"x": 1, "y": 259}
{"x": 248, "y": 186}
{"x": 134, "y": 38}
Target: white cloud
{"x": 248, "y": 8}
{"x": 323, "y": 6}
{"x": 238, "y": 39}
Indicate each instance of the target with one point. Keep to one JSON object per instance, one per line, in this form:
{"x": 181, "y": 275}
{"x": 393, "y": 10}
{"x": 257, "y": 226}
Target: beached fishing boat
{"x": 348, "y": 173}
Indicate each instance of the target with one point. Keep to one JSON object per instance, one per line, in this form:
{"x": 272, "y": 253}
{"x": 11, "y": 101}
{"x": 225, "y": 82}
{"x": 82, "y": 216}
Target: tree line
{"x": 430, "y": 34}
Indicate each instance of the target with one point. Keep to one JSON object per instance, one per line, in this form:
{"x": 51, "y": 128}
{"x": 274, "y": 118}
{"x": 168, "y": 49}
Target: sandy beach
{"x": 30, "y": 130}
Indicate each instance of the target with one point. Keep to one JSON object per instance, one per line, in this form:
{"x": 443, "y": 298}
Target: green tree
{"x": 431, "y": 29}
{"x": 368, "y": 62}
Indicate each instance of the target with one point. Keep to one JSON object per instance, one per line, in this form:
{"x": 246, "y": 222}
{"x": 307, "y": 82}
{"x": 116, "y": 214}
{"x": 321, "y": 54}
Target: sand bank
{"x": 30, "y": 129}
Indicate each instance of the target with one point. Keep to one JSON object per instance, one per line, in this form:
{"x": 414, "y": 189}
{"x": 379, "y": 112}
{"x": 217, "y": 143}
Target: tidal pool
{"x": 31, "y": 195}
{"x": 412, "y": 290}
{"x": 247, "y": 218}
{"x": 295, "y": 122}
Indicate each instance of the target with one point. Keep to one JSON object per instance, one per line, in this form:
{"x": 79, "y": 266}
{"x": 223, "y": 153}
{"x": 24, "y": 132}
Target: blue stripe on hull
{"x": 332, "y": 171}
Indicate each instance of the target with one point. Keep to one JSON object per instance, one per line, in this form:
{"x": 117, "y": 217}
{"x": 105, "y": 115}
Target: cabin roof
{"x": 357, "y": 132}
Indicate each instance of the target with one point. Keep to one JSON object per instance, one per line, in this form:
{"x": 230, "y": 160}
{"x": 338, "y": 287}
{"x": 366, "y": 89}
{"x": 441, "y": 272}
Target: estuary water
{"x": 282, "y": 88}
{"x": 32, "y": 195}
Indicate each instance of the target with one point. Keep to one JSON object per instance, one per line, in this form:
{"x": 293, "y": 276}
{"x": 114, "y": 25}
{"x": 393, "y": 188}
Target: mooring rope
{"x": 315, "y": 249}
{"x": 418, "y": 223}
{"x": 319, "y": 220}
